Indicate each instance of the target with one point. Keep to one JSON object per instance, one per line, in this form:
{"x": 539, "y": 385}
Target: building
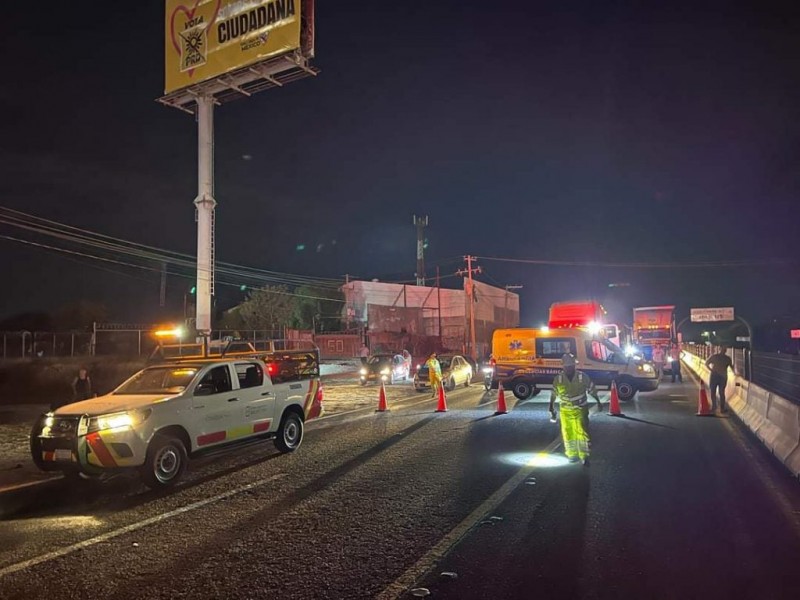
{"x": 421, "y": 319}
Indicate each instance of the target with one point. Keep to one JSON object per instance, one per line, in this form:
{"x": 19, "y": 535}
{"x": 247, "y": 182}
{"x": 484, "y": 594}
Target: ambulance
{"x": 529, "y": 359}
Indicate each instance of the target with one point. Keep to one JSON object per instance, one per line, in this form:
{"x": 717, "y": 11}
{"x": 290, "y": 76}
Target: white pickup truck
{"x": 165, "y": 413}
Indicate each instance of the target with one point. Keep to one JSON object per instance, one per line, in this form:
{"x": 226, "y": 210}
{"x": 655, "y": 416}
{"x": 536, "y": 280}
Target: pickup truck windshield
{"x": 158, "y": 380}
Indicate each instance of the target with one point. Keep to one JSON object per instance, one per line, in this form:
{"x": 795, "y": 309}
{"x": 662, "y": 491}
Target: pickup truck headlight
{"x": 362, "y": 372}
{"x": 385, "y": 371}
{"x": 119, "y": 420}
{"x": 647, "y": 368}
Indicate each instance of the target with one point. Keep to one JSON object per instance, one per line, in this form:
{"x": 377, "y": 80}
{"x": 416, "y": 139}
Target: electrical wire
{"x": 108, "y": 243}
{"x": 646, "y": 265}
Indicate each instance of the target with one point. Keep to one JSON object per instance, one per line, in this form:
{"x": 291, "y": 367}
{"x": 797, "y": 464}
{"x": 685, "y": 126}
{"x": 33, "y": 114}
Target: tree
{"x": 80, "y": 316}
{"x": 31, "y": 321}
{"x": 269, "y": 307}
{"x": 317, "y": 305}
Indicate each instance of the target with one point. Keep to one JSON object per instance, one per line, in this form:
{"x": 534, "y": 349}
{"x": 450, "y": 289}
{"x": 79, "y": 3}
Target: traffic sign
{"x": 795, "y": 334}
{"x": 712, "y": 315}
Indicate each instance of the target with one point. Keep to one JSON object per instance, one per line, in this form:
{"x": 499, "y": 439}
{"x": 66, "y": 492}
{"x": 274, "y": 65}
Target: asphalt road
{"x": 672, "y": 506}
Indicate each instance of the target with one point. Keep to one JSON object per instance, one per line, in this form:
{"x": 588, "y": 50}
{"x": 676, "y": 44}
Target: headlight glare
{"x": 119, "y": 420}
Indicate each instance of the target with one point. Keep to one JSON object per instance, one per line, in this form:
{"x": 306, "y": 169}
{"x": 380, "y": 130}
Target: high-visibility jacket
{"x": 434, "y": 368}
{"x": 573, "y": 392}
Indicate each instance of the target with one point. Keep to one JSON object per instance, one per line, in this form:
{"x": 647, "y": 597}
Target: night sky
{"x": 559, "y": 131}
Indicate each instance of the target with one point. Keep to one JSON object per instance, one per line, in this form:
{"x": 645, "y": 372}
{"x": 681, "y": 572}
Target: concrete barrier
{"x": 782, "y": 432}
{"x": 774, "y": 420}
{"x": 755, "y": 412}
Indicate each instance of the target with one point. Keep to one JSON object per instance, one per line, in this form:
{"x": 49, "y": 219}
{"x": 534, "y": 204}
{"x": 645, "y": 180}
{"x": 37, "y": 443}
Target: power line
{"x": 119, "y": 246}
{"x": 647, "y": 265}
{"x": 153, "y": 268}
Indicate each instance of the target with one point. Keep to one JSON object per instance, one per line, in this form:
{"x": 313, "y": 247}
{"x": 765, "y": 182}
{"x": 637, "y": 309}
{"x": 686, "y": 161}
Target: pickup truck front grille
{"x": 63, "y": 428}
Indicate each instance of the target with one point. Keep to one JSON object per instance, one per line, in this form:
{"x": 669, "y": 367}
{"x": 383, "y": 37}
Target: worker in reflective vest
{"x": 571, "y": 388}
{"x": 434, "y": 373}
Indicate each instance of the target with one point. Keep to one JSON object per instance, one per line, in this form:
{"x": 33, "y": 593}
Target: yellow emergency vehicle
{"x": 528, "y": 359}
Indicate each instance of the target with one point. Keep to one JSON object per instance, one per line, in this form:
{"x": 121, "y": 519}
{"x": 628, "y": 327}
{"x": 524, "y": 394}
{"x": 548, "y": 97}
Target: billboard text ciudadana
{"x": 208, "y": 38}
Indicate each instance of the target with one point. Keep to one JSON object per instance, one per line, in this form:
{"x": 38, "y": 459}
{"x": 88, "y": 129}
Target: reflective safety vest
{"x": 573, "y": 392}
{"x": 434, "y": 368}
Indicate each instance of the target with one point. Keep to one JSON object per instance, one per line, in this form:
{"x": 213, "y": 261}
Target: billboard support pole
{"x": 205, "y": 205}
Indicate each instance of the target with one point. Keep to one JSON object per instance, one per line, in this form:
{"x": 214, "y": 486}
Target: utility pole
{"x": 505, "y": 303}
{"x": 471, "y": 301}
{"x": 205, "y": 205}
{"x": 347, "y": 306}
{"x": 162, "y": 298}
{"x": 439, "y": 304}
{"x": 421, "y": 223}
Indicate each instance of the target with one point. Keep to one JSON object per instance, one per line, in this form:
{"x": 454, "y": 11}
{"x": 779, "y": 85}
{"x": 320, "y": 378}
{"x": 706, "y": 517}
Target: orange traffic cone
{"x": 502, "y": 409}
{"x": 613, "y": 405}
{"x": 442, "y": 407}
{"x": 382, "y": 405}
{"x": 703, "y": 409}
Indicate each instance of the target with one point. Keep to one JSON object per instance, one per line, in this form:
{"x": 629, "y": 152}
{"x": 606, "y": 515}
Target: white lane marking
{"x": 21, "y": 486}
{"x": 435, "y": 554}
{"x": 677, "y": 395}
{"x": 132, "y": 527}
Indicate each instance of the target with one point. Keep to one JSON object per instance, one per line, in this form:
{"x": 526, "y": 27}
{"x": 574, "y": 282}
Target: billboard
{"x": 208, "y": 38}
{"x": 712, "y": 315}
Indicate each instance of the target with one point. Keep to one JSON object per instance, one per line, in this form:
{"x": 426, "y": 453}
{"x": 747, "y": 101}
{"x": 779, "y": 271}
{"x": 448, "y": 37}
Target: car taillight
{"x": 272, "y": 369}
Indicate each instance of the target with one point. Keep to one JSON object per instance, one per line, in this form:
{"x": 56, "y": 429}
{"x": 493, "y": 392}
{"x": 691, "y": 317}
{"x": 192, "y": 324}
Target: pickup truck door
{"x": 217, "y": 407}
{"x": 258, "y": 396}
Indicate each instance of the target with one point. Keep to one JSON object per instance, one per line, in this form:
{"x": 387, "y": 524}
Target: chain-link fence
{"x": 124, "y": 341}
{"x": 40, "y": 344}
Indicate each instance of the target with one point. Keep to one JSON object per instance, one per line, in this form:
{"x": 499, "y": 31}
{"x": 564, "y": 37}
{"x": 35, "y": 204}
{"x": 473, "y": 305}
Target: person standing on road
{"x": 434, "y": 373}
{"x": 658, "y": 358}
{"x": 571, "y": 388}
{"x": 675, "y": 355}
{"x": 407, "y": 361}
{"x": 364, "y": 353}
{"x": 82, "y": 386}
{"x": 719, "y": 364}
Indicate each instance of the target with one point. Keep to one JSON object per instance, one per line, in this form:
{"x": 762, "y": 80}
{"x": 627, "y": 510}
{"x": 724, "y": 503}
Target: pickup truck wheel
{"x": 522, "y": 390}
{"x": 165, "y": 462}
{"x": 363, "y": 382}
{"x": 625, "y": 390}
{"x": 290, "y": 433}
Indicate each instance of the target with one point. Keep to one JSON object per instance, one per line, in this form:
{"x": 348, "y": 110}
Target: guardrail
{"x": 774, "y": 419}
{"x": 774, "y": 371}
{"x": 779, "y": 373}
